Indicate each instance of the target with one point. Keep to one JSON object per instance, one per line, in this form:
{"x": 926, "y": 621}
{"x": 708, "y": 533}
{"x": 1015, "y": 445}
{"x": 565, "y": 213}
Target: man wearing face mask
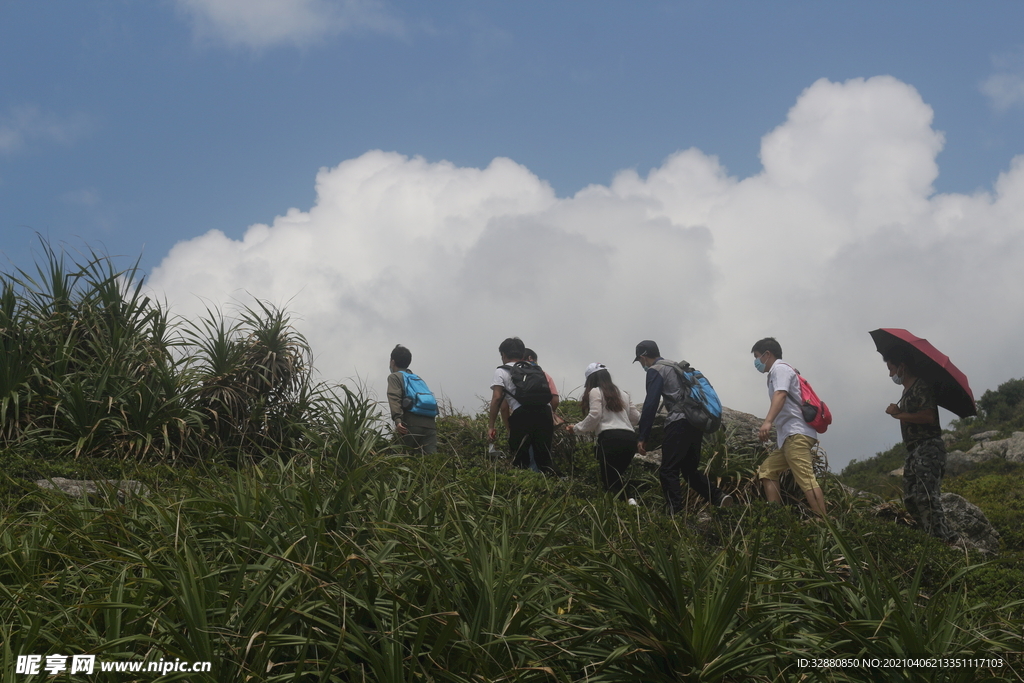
{"x": 918, "y": 414}
{"x": 795, "y": 438}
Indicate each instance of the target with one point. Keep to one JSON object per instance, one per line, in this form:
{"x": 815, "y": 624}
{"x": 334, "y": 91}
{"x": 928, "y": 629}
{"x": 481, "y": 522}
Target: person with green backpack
{"x": 693, "y": 409}
{"x": 412, "y": 404}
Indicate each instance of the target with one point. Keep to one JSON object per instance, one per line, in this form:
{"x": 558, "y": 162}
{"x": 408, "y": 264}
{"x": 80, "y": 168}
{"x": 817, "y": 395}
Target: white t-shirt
{"x": 790, "y": 420}
{"x": 503, "y": 378}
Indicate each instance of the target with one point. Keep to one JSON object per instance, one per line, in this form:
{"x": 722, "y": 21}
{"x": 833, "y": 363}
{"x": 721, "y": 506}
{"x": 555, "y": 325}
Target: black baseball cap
{"x": 647, "y": 348}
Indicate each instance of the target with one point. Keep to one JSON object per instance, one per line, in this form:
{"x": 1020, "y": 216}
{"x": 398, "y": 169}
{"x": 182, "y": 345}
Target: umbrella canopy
{"x": 953, "y": 392}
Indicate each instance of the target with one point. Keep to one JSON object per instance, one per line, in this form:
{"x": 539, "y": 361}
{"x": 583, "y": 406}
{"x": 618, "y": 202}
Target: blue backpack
{"x": 418, "y": 400}
{"x": 701, "y": 404}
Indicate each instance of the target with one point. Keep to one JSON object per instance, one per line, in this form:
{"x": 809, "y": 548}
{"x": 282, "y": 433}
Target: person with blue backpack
{"x": 412, "y": 404}
{"x": 693, "y": 409}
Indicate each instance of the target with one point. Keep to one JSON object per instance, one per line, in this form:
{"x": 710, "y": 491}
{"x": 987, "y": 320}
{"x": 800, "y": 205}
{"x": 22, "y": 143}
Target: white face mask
{"x": 896, "y": 379}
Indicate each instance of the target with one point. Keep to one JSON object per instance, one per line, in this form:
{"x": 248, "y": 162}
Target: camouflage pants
{"x": 922, "y": 479}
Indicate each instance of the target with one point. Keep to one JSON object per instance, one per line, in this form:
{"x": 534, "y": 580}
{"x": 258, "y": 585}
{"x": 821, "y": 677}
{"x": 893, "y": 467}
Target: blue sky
{"x": 136, "y": 126}
{"x": 166, "y": 132}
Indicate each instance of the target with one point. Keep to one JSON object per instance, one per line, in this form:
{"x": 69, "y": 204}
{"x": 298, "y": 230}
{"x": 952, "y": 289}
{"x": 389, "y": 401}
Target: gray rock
{"x": 857, "y": 493}
{"x": 994, "y": 449}
{"x": 742, "y": 427}
{"x": 1011, "y": 449}
{"x": 958, "y": 462}
{"x": 898, "y": 472}
{"x": 1015, "y": 447}
{"x": 81, "y": 488}
{"x": 986, "y": 451}
{"x": 985, "y": 436}
{"x": 970, "y": 524}
{"x": 652, "y": 459}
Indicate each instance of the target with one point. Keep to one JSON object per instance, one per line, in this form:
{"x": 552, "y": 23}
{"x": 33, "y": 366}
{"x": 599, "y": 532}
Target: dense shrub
{"x": 89, "y": 364}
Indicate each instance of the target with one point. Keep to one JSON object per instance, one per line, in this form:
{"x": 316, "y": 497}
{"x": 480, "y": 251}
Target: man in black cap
{"x": 680, "y": 451}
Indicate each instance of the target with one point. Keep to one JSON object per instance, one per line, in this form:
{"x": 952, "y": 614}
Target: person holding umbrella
{"x": 929, "y": 380}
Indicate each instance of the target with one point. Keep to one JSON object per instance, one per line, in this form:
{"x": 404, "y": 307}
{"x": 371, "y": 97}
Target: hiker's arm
{"x": 395, "y": 390}
{"x": 497, "y": 398}
{"x": 654, "y": 385}
{"x": 778, "y": 400}
{"x": 505, "y": 412}
{"x": 928, "y": 416}
{"x": 593, "y": 418}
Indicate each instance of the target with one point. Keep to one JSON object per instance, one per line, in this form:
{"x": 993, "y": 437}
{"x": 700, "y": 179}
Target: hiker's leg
{"x": 690, "y": 467}
{"x": 798, "y": 449}
{"x": 771, "y": 490}
{"x": 615, "y": 452}
{"x": 816, "y": 501}
{"x": 518, "y": 439}
{"x": 922, "y": 483}
{"x": 673, "y": 450}
{"x": 768, "y": 474}
{"x": 541, "y": 430}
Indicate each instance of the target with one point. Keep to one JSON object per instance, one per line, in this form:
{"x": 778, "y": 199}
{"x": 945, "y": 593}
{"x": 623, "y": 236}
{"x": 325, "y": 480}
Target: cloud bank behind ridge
{"x": 839, "y": 234}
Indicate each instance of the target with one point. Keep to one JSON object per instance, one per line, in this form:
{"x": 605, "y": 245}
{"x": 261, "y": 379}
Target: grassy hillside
{"x": 281, "y": 538}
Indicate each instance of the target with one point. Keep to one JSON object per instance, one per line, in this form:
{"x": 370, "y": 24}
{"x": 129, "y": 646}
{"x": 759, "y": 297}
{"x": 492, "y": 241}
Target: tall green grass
{"x": 89, "y": 364}
{"x": 385, "y": 568}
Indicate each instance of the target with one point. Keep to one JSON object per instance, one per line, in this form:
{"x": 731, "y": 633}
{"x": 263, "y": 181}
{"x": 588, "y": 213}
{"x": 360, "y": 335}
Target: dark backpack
{"x": 530, "y": 383}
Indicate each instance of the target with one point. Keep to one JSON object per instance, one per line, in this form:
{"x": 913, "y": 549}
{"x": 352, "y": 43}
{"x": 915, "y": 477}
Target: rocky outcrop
{"x": 80, "y": 488}
{"x": 963, "y": 517}
{"x": 1010, "y": 449}
{"x": 970, "y": 524}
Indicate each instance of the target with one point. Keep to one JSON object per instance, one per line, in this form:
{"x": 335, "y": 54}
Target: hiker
{"x": 525, "y": 386}
{"x": 918, "y": 414}
{"x": 614, "y": 418}
{"x": 413, "y": 407}
{"x": 680, "y": 451}
{"x": 796, "y": 439}
{"x": 530, "y": 356}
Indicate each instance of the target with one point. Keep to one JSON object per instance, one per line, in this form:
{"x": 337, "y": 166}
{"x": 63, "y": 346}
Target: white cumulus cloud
{"x": 841, "y": 233}
{"x": 264, "y": 23}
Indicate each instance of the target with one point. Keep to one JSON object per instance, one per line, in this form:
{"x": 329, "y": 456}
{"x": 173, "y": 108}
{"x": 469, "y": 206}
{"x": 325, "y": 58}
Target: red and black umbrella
{"x": 953, "y": 392}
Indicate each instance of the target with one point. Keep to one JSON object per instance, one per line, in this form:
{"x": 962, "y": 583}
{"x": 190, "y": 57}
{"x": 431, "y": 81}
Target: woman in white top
{"x": 610, "y": 413}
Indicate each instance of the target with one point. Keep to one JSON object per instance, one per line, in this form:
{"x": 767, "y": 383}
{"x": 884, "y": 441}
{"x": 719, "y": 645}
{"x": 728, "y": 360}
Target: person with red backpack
{"x": 796, "y": 438}
{"x": 531, "y": 424}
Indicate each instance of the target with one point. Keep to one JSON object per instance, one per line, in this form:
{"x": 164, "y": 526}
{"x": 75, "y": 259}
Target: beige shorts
{"x": 795, "y": 455}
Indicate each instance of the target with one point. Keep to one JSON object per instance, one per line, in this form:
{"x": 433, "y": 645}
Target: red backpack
{"x": 815, "y": 412}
